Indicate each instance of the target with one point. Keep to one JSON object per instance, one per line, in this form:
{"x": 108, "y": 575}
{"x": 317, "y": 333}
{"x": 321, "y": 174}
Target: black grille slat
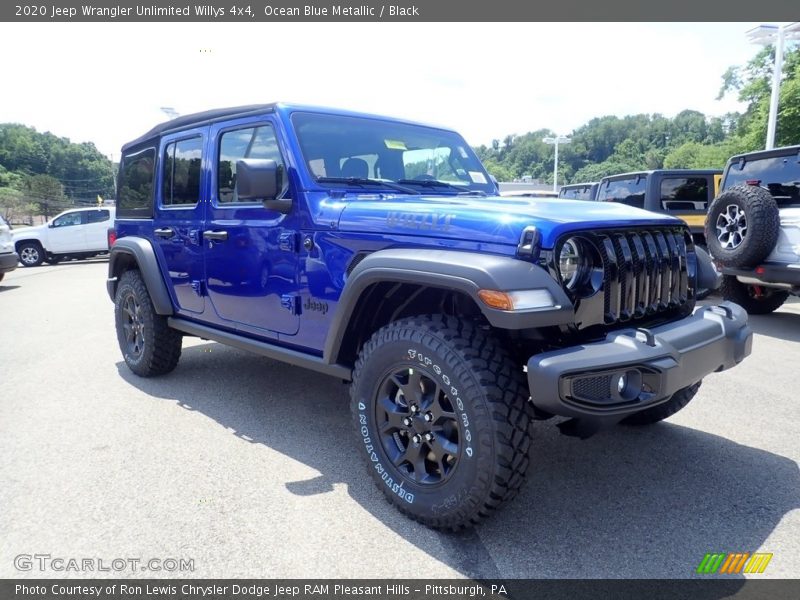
{"x": 626, "y": 277}
{"x": 611, "y": 283}
{"x": 663, "y": 270}
{"x": 652, "y": 267}
{"x": 675, "y": 270}
{"x": 640, "y": 273}
{"x": 644, "y": 272}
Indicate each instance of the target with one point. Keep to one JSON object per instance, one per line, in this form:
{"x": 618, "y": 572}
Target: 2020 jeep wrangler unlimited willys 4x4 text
{"x": 378, "y": 251}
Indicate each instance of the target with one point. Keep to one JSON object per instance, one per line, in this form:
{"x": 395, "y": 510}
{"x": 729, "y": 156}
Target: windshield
{"x": 342, "y": 150}
{"x": 779, "y": 174}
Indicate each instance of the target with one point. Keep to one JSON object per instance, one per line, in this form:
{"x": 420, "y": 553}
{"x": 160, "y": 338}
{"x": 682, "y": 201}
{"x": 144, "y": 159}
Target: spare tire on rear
{"x": 742, "y": 226}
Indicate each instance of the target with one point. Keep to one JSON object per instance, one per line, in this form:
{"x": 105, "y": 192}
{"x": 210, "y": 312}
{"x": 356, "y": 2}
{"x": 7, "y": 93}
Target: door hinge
{"x": 287, "y": 241}
{"x": 291, "y": 302}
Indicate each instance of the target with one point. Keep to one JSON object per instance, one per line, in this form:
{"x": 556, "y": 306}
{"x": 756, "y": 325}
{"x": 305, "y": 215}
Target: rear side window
{"x": 628, "y": 191}
{"x": 136, "y": 184}
{"x": 181, "y": 179}
{"x": 779, "y": 174}
{"x": 98, "y": 216}
{"x": 253, "y": 142}
{"x": 684, "y": 193}
{"x": 576, "y": 193}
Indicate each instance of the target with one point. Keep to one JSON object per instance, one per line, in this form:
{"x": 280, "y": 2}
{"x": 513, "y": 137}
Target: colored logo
{"x": 733, "y": 563}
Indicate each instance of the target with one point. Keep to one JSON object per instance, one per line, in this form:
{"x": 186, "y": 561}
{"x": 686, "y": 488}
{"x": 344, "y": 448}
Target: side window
{"x": 182, "y": 172}
{"x": 253, "y": 142}
{"x": 98, "y": 216}
{"x": 628, "y": 191}
{"x": 135, "y": 197}
{"x": 68, "y": 220}
{"x": 684, "y": 193}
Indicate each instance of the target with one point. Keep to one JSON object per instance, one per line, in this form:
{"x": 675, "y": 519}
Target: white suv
{"x": 79, "y": 233}
{"x": 8, "y": 258}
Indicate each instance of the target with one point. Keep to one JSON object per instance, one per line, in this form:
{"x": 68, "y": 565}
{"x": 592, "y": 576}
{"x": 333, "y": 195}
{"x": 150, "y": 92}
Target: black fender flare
{"x": 462, "y": 271}
{"x": 145, "y": 257}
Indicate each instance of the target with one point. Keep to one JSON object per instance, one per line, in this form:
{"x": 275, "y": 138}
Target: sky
{"x": 106, "y": 82}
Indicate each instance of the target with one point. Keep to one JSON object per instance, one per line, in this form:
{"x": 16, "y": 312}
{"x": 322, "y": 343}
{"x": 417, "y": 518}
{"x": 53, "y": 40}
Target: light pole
{"x": 555, "y": 141}
{"x": 765, "y": 35}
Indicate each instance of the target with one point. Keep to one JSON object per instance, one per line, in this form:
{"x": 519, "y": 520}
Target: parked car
{"x": 8, "y": 257}
{"x": 753, "y": 229}
{"x": 378, "y": 251}
{"x": 683, "y": 193}
{"x": 78, "y": 233}
{"x": 579, "y": 191}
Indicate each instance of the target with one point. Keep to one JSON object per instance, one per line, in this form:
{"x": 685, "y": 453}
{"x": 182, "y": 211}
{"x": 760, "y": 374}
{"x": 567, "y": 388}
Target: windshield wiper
{"x": 364, "y": 182}
{"x": 432, "y": 183}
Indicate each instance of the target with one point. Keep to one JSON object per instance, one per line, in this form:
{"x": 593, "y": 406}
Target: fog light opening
{"x": 627, "y": 385}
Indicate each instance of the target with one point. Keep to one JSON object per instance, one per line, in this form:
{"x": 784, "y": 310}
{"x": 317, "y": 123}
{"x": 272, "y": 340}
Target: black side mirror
{"x": 261, "y": 179}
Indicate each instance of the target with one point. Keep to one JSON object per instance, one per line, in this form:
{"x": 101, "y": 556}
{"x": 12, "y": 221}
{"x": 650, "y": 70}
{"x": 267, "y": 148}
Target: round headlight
{"x": 571, "y": 263}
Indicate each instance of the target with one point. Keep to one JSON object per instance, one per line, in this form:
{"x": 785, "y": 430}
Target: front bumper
{"x": 8, "y": 261}
{"x": 584, "y": 381}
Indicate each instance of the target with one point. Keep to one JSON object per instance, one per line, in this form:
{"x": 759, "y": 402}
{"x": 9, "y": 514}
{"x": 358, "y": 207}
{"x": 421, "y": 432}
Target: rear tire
{"x": 31, "y": 254}
{"x": 756, "y": 300}
{"x": 677, "y": 401}
{"x": 149, "y": 346}
{"x": 742, "y": 226}
{"x": 445, "y": 378}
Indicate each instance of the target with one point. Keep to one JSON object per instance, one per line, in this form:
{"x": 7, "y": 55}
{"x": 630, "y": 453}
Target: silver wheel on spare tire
{"x": 742, "y": 226}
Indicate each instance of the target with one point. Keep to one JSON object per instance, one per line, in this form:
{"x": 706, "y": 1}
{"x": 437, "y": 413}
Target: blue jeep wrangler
{"x": 379, "y": 252}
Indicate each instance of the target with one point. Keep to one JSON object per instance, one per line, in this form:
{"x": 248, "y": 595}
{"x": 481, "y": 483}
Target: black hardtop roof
{"x": 664, "y": 172}
{"x": 188, "y": 121}
{"x": 757, "y": 154}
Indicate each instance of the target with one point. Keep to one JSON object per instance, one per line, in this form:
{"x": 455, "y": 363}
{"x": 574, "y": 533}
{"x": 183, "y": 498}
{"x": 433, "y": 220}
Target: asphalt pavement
{"x": 248, "y": 467}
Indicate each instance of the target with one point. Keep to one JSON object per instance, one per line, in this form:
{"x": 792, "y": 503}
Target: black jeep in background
{"x": 753, "y": 229}
{"x": 682, "y": 193}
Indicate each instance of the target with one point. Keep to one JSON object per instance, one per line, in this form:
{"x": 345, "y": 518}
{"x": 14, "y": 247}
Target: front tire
{"x": 756, "y": 300}
{"x": 677, "y": 401}
{"x": 149, "y": 346}
{"x": 31, "y": 254}
{"x": 443, "y": 419}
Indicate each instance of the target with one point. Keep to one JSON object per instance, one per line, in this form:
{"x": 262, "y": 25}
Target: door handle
{"x": 216, "y": 236}
{"x": 166, "y": 232}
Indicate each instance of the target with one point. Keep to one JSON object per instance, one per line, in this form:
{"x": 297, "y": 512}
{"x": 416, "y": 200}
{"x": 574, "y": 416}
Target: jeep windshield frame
{"x": 777, "y": 171}
{"x": 344, "y": 151}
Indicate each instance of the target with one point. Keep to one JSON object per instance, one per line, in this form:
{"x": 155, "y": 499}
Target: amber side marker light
{"x": 517, "y": 299}
{"x": 495, "y": 299}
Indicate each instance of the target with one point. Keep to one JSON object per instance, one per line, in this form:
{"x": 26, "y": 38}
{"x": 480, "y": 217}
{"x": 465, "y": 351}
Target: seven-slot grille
{"x": 644, "y": 271}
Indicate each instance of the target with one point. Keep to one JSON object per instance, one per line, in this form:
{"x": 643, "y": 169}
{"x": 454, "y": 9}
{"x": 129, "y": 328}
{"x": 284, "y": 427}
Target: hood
{"x": 27, "y": 231}
{"x": 492, "y": 219}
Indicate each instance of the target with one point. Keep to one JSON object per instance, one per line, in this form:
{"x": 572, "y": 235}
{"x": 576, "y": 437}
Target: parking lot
{"x": 249, "y": 467}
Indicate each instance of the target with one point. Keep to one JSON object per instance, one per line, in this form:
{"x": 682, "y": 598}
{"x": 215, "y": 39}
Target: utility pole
{"x": 555, "y": 141}
{"x": 766, "y": 35}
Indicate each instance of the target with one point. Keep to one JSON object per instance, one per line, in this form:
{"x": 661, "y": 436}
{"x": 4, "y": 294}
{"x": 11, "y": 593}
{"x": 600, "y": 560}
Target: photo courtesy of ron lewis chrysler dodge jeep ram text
{"x": 378, "y": 251}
